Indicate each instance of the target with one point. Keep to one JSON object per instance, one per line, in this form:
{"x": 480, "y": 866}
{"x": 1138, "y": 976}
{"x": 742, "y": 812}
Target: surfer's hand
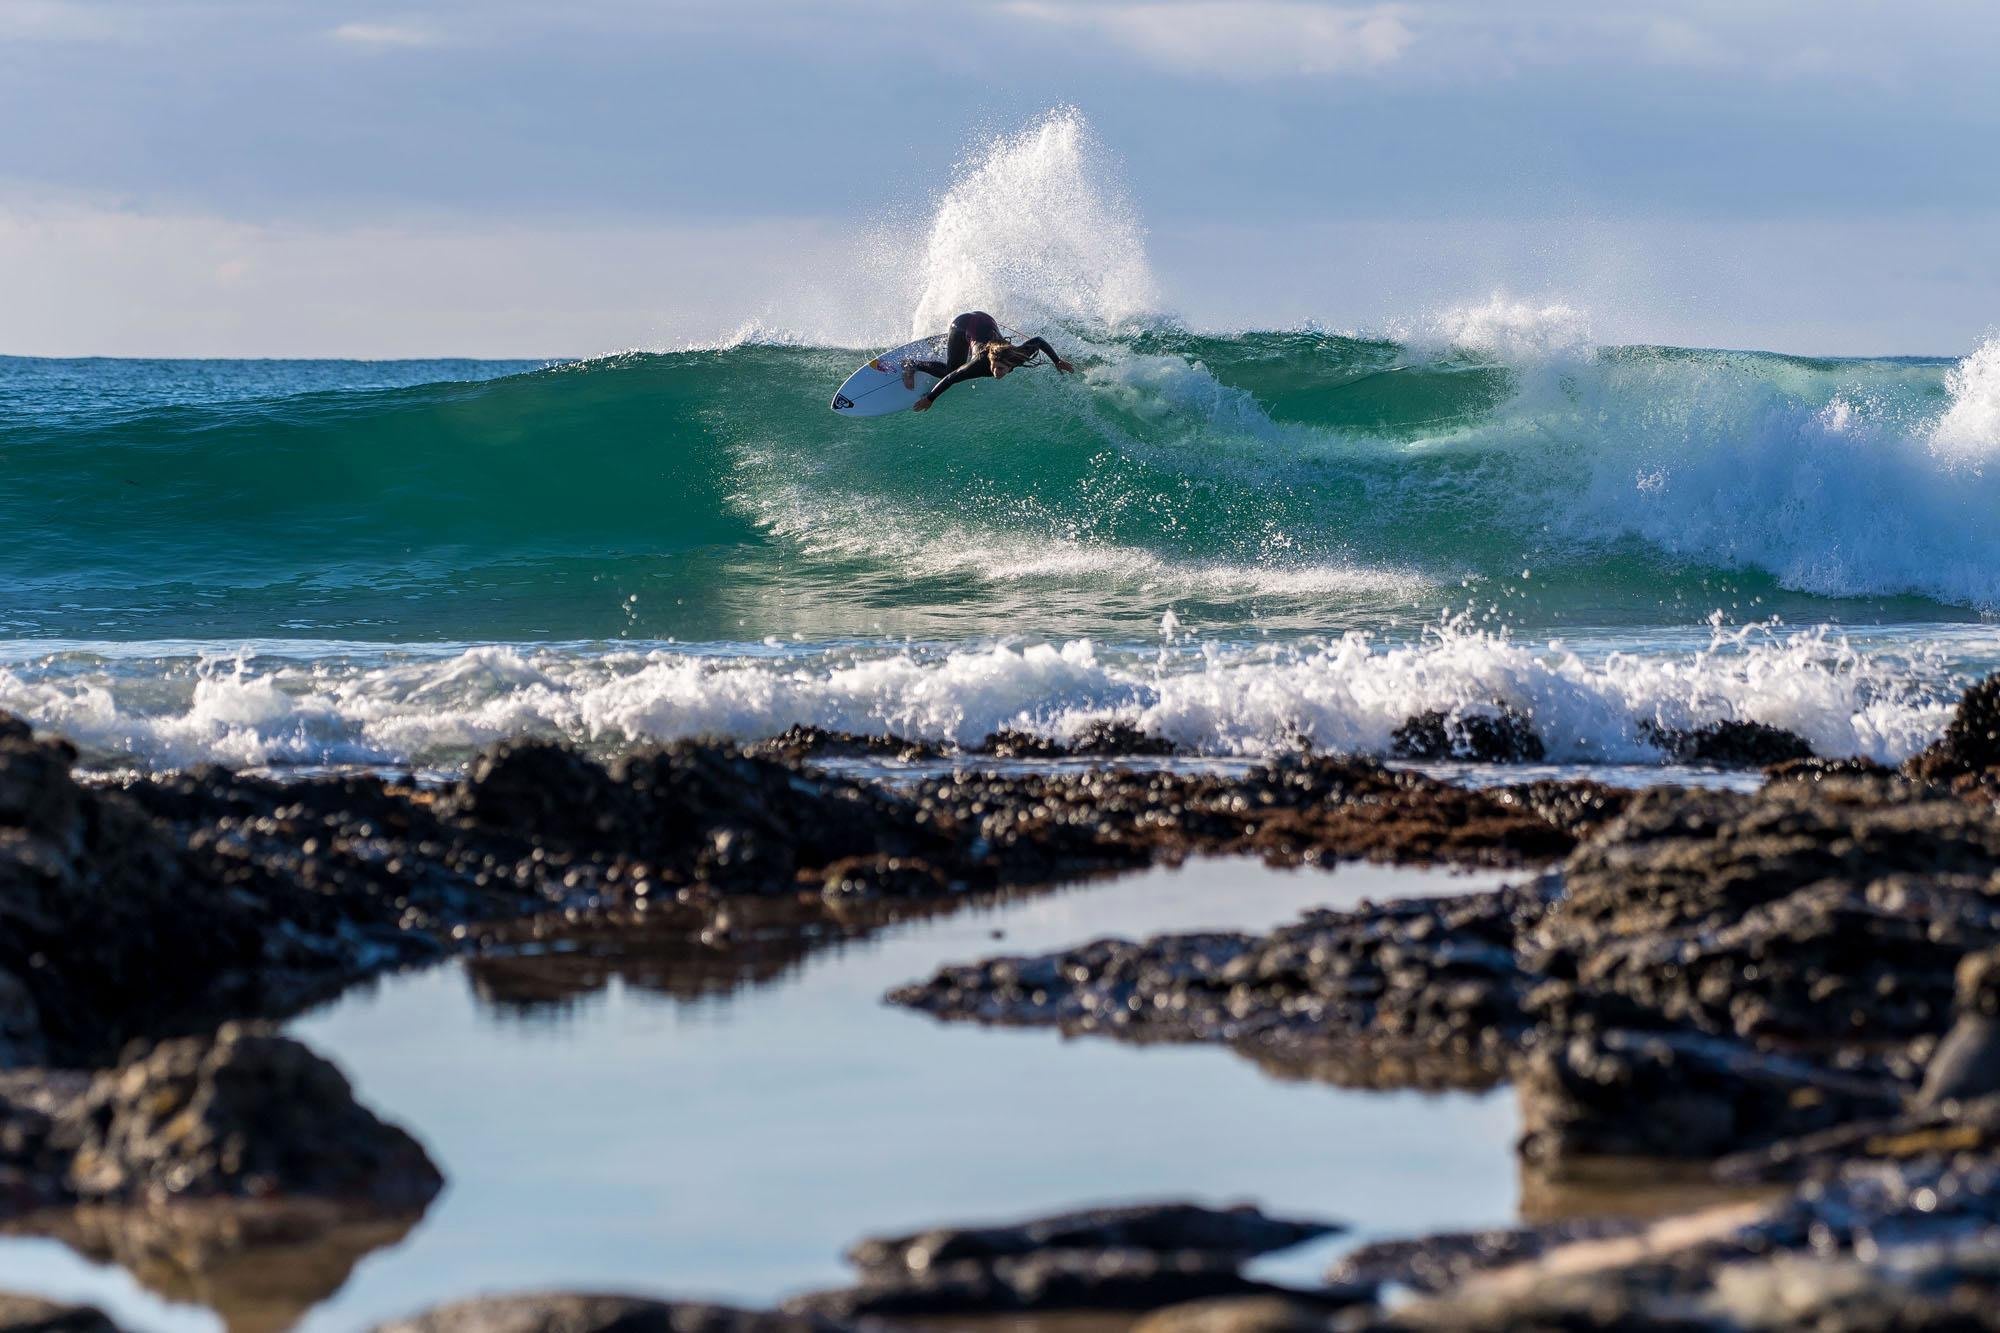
{"x": 1064, "y": 366}
{"x": 922, "y": 404}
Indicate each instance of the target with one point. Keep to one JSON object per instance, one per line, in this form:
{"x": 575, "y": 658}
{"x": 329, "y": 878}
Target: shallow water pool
{"x": 649, "y": 1121}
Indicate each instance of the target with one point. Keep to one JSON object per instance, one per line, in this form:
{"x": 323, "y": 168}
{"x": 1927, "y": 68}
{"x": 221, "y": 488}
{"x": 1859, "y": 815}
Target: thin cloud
{"x": 1240, "y": 38}
{"x": 54, "y": 21}
{"x": 384, "y": 34}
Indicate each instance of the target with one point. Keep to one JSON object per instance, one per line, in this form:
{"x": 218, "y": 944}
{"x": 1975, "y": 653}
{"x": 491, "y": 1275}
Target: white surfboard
{"x": 877, "y": 389}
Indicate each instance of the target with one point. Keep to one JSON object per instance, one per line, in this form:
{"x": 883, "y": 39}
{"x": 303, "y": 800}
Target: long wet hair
{"x": 1001, "y": 353}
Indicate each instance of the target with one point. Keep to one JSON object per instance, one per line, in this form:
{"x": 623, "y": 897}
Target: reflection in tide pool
{"x": 603, "y": 1123}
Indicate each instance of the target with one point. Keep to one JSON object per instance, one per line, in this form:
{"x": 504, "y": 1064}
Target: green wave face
{"x": 1287, "y": 480}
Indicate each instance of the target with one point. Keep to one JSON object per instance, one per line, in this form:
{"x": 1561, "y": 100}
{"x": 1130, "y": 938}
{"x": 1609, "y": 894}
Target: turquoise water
{"x": 1225, "y": 539}
{"x": 1303, "y": 480}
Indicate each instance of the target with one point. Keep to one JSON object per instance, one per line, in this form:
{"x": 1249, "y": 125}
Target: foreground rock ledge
{"x": 170, "y": 904}
{"x": 247, "y": 1115}
{"x": 1136, "y": 1257}
{"x": 1710, "y": 972}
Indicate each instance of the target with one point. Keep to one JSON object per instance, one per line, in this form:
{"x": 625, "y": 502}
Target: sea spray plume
{"x": 1037, "y": 229}
{"x": 1836, "y": 478}
{"x": 1505, "y": 328}
{"x": 1967, "y": 435}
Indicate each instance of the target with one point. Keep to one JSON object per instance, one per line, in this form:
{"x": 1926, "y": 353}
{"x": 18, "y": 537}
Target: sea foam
{"x": 1347, "y": 693}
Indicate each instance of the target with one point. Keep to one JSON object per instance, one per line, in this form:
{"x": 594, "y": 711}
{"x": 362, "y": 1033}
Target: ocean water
{"x": 1232, "y": 538}
{"x": 1227, "y": 539}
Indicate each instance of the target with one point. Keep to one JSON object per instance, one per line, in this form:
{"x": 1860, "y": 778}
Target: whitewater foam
{"x": 1503, "y": 327}
{"x": 1967, "y": 434}
{"x": 1348, "y": 693}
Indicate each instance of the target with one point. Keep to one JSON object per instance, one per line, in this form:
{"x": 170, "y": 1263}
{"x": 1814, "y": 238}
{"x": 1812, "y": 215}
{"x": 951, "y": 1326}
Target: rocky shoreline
{"x": 1792, "y": 994}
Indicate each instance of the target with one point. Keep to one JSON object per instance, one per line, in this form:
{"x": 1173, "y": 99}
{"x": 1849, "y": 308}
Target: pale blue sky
{"x": 244, "y": 176}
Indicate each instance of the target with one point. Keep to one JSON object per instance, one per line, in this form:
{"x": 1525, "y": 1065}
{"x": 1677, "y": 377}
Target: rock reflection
{"x": 259, "y": 1267}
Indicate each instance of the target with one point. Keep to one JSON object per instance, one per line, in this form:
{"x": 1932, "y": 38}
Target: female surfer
{"x": 975, "y": 350}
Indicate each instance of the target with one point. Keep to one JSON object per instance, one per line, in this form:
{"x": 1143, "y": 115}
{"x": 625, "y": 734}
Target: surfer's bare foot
{"x": 909, "y": 377}
{"x": 921, "y": 405}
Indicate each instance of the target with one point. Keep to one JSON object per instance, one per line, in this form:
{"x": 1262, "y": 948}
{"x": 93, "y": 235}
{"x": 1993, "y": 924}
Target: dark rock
{"x": 1967, "y": 1062}
{"x": 1577, "y": 808}
{"x": 1362, "y": 989}
{"x": 868, "y": 877}
{"x": 179, "y": 901}
{"x": 1138, "y": 1257}
{"x": 1236, "y": 1233}
{"x": 1658, "y": 1095}
{"x": 1049, "y": 1280}
{"x": 32, "y": 1314}
{"x": 1102, "y": 739}
{"x": 1812, "y": 770}
{"x": 1950, "y": 1131}
{"x": 1114, "y": 739}
{"x": 1011, "y": 744}
{"x": 21, "y": 1039}
{"x": 572, "y": 1312}
{"x": 1904, "y": 1245}
{"x": 1728, "y": 744}
{"x": 1241, "y": 1314}
{"x": 249, "y": 1114}
{"x": 802, "y": 742}
{"x": 1440, "y": 1262}
{"x": 1971, "y": 741}
{"x": 1806, "y": 911}
{"x": 182, "y": 900}
{"x": 1500, "y": 737}
{"x": 696, "y": 812}
{"x": 544, "y": 789}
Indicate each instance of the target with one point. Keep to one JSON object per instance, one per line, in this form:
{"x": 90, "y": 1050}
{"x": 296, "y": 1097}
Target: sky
{"x": 501, "y": 178}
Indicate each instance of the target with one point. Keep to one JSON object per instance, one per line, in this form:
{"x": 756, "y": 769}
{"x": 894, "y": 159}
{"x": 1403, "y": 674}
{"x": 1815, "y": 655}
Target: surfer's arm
{"x": 971, "y": 370}
{"x": 1042, "y": 345}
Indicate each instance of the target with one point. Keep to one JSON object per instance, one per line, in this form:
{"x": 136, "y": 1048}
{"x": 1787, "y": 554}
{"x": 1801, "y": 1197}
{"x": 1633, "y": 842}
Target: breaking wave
{"x": 317, "y": 704}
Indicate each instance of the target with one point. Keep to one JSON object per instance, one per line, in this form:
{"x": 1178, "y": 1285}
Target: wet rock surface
{"x": 1238, "y": 1233}
{"x": 1440, "y": 1262}
{"x": 247, "y": 1114}
{"x": 1711, "y": 972}
{"x": 1730, "y": 744}
{"x": 1794, "y": 990}
{"x": 172, "y": 903}
{"x": 572, "y": 1312}
{"x": 31, "y": 1314}
{"x": 1365, "y": 991}
{"x": 1139, "y": 1257}
{"x": 1500, "y": 737}
{"x": 200, "y": 1149}
{"x": 1970, "y": 745}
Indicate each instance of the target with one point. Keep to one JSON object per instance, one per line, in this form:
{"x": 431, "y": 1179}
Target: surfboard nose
{"x": 841, "y": 402}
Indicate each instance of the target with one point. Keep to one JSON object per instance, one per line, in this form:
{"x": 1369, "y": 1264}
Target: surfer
{"x": 975, "y": 350}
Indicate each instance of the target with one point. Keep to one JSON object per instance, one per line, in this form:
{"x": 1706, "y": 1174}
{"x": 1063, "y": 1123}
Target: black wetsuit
{"x": 969, "y": 330}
